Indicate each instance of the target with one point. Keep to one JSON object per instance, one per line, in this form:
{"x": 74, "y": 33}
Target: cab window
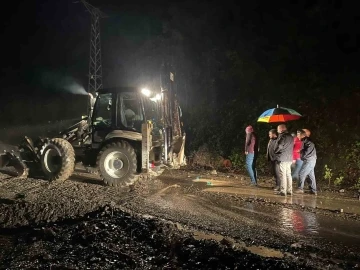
{"x": 131, "y": 115}
{"x": 102, "y": 110}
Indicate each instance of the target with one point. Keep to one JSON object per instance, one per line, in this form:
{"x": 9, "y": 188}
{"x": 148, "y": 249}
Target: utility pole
{"x": 95, "y": 67}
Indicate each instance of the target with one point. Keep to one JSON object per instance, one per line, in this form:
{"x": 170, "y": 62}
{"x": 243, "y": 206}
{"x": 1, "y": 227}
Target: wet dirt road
{"x": 323, "y": 202}
{"x": 311, "y": 227}
{"x": 280, "y": 232}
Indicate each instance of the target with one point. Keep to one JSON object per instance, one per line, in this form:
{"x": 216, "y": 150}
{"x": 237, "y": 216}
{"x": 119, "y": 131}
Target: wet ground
{"x": 328, "y": 201}
{"x": 258, "y": 216}
{"x": 113, "y": 239}
{"x": 180, "y": 219}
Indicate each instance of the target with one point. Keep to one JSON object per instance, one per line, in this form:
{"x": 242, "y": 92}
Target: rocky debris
{"x": 290, "y": 256}
{"x": 114, "y": 239}
{"x": 25, "y": 202}
{"x": 296, "y": 245}
{"x": 204, "y": 158}
{"x": 48, "y": 234}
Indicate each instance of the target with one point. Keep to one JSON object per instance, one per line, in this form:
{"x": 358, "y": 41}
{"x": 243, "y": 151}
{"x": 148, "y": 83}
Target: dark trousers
{"x": 275, "y": 172}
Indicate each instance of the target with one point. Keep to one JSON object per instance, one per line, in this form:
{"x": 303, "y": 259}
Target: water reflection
{"x": 301, "y": 222}
{"x": 305, "y": 223}
{"x": 310, "y": 202}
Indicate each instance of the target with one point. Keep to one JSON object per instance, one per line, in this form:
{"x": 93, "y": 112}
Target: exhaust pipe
{"x": 92, "y": 103}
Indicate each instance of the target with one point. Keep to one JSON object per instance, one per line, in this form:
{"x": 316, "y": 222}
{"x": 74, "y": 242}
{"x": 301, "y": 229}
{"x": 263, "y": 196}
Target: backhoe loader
{"x": 126, "y": 132}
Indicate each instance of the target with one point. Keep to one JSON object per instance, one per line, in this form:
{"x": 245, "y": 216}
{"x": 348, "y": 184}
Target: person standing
{"x": 308, "y": 156}
{"x": 283, "y": 155}
{"x": 251, "y": 152}
{"x": 270, "y": 154}
{"x": 297, "y": 162}
{"x": 307, "y": 132}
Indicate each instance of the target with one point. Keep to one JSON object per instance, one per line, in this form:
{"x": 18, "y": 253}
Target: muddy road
{"x": 179, "y": 219}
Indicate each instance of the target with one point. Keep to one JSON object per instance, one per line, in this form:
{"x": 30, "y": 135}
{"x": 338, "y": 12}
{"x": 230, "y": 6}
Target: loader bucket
{"x": 4, "y": 160}
{"x": 10, "y": 157}
{"x": 20, "y": 167}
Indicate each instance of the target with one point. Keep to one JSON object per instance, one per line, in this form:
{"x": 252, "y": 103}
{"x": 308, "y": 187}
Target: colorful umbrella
{"x": 279, "y": 114}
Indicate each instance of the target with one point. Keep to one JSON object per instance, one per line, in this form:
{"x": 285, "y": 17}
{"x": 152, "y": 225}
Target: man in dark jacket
{"x": 251, "y": 152}
{"x": 270, "y": 154}
{"x": 308, "y": 156}
{"x": 283, "y": 155}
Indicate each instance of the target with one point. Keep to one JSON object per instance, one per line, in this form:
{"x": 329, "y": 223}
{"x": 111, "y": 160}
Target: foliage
{"x": 206, "y": 158}
{"x": 353, "y": 161}
{"x": 338, "y": 180}
{"x": 237, "y": 159}
{"x": 262, "y": 165}
{"x": 357, "y": 184}
{"x": 328, "y": 173}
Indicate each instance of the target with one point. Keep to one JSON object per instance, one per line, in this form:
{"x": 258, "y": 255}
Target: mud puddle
{"x": 302, "y": 222}
{"x": 228, "y": 185}
{"x": 267, "y": 227}
{"x": 341, "y": 205}
{"x": 288, "y": 220}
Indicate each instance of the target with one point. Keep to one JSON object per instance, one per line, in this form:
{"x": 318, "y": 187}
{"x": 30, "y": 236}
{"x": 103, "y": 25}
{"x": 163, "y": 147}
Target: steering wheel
{"x": 106, "y": 122}
{"x": 102, "y": 121}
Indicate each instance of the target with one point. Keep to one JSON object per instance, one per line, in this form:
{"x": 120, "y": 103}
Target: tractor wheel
{"x": 117, "y": 164}
{"x": 57, "y": 159}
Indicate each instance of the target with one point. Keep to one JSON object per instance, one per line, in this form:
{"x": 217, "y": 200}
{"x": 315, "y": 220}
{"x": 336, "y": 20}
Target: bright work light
{"x": 156, "y": 98}
{"x": 146, "y": 92}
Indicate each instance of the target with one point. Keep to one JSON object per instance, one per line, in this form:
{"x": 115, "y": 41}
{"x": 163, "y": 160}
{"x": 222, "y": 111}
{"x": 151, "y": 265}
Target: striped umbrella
{"x": 279, "y": 114}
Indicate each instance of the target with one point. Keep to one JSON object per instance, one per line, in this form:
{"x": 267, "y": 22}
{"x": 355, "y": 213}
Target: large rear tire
{"x": 117, "y": 164}
{"x": 57, "y": 159}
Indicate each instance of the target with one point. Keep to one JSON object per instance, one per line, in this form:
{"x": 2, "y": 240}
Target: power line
{"x": 95, "y": 65}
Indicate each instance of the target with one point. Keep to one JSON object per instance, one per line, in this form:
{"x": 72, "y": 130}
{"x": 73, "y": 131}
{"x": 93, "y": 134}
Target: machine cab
{"x": 122, "y": 109}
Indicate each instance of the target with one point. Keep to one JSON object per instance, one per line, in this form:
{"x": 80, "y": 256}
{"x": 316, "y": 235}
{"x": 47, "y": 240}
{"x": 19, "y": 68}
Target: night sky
{"x": 47, "y": 42}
